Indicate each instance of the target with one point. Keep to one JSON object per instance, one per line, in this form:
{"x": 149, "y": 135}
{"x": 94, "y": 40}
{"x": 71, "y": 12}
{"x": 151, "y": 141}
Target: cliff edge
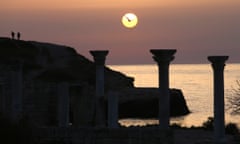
{"x": 54, "y": 63}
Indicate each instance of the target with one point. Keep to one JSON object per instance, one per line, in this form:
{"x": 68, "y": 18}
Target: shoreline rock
{"x": 143, "y": 103}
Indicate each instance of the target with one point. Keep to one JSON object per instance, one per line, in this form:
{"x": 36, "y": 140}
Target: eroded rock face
{"x": 178, "y": 104}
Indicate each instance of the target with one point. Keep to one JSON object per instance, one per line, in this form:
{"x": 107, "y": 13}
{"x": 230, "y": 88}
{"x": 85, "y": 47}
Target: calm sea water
{"x": 196, "y": 82}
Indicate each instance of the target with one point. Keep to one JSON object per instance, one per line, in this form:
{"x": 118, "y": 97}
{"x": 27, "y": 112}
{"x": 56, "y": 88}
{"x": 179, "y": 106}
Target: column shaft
{"x": 113, "y": 110}
{"x": 218, "y": 63}
{"x": 164, "y": 99}
{"x": 163, "y": 57}
{"x": 219, "y": 104}
{"x": 99, "y": 59}
{"x": 63, "y": 104}
{"x": 17, "y": 91}
{"x": 99, "y": 81}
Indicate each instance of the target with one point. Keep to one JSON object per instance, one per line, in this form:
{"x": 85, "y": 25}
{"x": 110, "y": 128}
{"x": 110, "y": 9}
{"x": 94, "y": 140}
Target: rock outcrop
{"x": 144, "y": 103}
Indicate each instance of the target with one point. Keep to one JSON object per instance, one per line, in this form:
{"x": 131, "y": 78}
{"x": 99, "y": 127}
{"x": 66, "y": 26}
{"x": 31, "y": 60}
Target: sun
{"x": 129, "y": 20}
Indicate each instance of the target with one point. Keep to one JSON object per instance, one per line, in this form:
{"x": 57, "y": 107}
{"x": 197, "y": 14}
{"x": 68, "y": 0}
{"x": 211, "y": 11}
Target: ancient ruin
{"x": 66, "y": 96}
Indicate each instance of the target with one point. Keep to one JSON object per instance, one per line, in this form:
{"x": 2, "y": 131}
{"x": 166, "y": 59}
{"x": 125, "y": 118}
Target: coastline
{"x": 195, "y": 81}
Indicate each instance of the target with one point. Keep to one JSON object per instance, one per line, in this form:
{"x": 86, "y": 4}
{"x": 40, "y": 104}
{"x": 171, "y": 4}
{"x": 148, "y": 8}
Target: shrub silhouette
{"x": 232, "y": 129}
{"x": 208, "y": 125}
{"x": 234, "y": 100}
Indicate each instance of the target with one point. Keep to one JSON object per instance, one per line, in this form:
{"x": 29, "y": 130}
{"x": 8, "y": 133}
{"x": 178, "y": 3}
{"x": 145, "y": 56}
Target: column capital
{"x": 163, "y": 55}
{"x": 99, "y": 56}
{"x": 218, "y": 62}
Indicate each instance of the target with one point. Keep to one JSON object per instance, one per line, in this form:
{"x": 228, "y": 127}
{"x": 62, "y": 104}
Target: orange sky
{"x": 196, "y": 28}
{"x": 69, "y": 4}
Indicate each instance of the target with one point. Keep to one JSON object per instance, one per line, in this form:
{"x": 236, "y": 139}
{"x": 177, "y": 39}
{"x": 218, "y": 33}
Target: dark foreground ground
{"x": 199, "y": 136}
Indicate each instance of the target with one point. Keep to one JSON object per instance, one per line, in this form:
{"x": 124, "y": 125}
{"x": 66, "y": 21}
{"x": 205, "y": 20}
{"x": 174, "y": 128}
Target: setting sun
{"x": 129, "y": 20}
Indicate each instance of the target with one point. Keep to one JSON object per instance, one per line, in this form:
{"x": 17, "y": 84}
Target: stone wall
{"x": 105, "y": 136}
{"x": 8, "y": 84}
{"x": 40, "y": 103}
{"x": 42, "y": 107}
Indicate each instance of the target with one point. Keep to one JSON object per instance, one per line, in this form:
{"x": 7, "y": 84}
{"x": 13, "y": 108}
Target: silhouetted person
{"x": 13, "y": 34}
{"x": 18, "y": 35}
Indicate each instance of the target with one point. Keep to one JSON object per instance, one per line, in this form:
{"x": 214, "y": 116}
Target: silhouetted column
{"x": 163, "y": 57}
{"x": 99, "y": 59}
{"x": 17, "y": 91}
{"x": 63, "y": 104}
{"x": 113, "y": 110}
{"x": 218, "y": 63}
{"x": 2, "y": 99}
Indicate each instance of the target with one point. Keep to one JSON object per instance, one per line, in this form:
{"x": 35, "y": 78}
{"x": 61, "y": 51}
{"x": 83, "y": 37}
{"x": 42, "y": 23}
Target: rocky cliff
{"x": 56, "y": 63}
{"x": 51, "y": 62}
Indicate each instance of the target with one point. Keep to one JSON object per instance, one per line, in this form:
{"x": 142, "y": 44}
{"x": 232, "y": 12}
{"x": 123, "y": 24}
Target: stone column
{"x": 2, "y": 99}
{"x": 163, "y": 57}
{"x": 112, "y": 109}
{"x": 17, "y": 91}
{"x": 63, "y": 104}
{"x": 99, "y": 59}
{"x": 218, "y": 63}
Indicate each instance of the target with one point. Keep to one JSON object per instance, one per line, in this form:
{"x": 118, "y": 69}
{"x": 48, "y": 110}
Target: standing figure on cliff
{"x": 13, "y": 34}
{"x": 18, "y": 35}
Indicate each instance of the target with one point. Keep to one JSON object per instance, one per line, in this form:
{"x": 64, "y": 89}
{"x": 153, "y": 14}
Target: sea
{"x": 196, "y": 83}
